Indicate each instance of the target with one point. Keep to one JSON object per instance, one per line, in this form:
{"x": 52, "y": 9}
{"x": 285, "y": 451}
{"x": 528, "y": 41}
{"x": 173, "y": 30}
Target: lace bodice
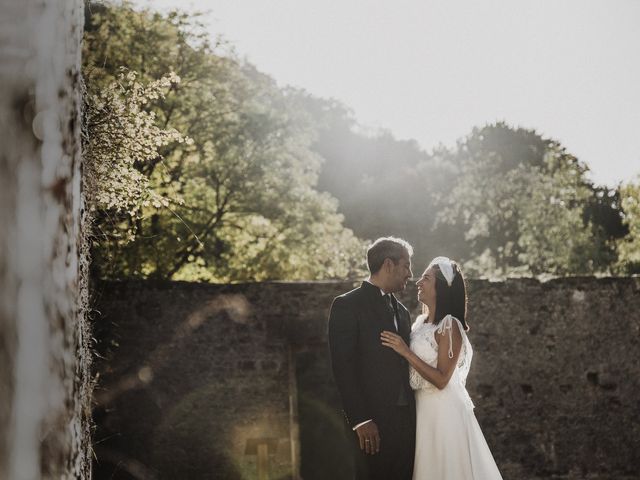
{"x": 423, "y": 344}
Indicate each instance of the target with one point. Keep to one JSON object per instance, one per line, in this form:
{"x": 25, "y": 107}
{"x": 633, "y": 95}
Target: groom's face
{"x": 400, "y": 273}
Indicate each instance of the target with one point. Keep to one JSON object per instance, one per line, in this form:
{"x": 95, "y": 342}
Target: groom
{"x": 373, "y": 381}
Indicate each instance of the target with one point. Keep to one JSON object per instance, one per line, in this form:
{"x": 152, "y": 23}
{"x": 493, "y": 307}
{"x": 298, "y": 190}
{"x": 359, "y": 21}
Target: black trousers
{"x": 397, "y": 429}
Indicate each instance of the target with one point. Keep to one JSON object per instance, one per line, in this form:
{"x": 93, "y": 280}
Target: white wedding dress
{"x": 449, "y": 442}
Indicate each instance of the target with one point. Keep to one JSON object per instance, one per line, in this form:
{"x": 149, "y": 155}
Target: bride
{"x": 449, "y": 442}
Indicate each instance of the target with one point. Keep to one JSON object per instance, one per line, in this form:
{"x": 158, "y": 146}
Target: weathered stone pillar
{"x": 44, "y": 359}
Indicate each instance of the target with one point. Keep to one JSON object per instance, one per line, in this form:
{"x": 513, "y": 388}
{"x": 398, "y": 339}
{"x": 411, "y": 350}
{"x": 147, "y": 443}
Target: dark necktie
{"x": 391, "y": 306}
{"x": 392, "y": 309}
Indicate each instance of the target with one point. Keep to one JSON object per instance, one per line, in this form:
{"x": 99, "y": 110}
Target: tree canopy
{"x": 206, "y": 169}
{"x": 239, "y": 200}
{"x": 503, "y": 201}
{"x": 629, "y": 245}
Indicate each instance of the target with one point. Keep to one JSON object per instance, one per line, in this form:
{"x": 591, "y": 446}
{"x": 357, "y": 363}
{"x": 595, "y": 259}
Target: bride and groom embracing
{"x": 403, "y": 386}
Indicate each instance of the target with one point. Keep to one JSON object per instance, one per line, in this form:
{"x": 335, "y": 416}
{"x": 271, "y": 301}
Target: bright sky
{"x": 432, "y": 69}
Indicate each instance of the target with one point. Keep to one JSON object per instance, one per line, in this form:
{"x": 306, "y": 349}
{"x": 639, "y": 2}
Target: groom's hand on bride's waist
{"x": 369, "y": 437}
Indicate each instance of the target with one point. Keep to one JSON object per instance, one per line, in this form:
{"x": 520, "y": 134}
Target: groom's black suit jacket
{"x": 370, "y": 377}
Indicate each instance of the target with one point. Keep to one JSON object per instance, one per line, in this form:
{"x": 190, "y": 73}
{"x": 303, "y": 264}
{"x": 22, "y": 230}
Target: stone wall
{"x": 194, "y": 375}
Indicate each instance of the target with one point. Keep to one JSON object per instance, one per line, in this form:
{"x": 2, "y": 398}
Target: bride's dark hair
{"x": 450, "y": 300}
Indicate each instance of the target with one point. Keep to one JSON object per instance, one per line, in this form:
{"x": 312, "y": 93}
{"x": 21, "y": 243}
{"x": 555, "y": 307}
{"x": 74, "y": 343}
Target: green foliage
{"x": 520, "y": 202}
{"x": 245, "y": 206}
{"x": 385, "y": 186}
{"x": 629, "y": 246}
{"x": 243, "y": 202}
{"x": 553, "y": 237}
{"x": 504, "y": 201}
{"x": 120, "y": 136}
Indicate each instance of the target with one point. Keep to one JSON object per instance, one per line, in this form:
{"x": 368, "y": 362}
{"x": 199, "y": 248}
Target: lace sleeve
{"x": 447, "y": 324}
{"x": 464, "y": 360}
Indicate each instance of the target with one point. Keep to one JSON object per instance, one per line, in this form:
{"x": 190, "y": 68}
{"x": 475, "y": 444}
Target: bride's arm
{"x": 439, "y": 376}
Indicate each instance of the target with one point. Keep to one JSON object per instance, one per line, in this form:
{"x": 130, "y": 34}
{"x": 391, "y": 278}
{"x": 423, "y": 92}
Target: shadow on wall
{"x": 324, "y": 449}
{"x": 189, "y": 387}
{"x": 184, "y": 399}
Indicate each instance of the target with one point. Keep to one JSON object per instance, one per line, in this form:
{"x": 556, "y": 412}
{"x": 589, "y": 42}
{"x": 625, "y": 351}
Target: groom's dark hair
{"x": 387, "y": 247}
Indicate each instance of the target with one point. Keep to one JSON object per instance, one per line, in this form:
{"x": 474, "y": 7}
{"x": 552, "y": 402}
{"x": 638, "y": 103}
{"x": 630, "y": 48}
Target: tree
{"x": 249, "y": 209}
{"x": 385, "y": 186}
{"x": 472, "y": 202}
{"x": 504, "y": 201}
{"x": 553, "y": 234}
{"x": 520, "y": 203}
{"x": 629, "y": 246}
{"x": 119, "y": 138}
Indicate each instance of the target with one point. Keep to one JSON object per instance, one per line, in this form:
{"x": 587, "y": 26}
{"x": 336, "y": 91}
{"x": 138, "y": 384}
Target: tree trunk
{"x": 44, "y": 355}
